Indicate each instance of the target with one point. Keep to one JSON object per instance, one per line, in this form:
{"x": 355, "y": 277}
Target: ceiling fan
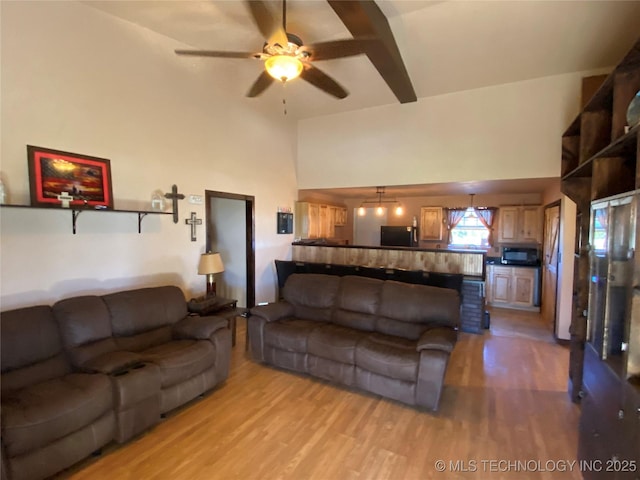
{"x": 286, "y": 56}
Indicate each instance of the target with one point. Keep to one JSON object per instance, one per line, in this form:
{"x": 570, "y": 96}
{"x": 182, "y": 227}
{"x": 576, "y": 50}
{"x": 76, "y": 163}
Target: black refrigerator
{"x": 405, "y": 236}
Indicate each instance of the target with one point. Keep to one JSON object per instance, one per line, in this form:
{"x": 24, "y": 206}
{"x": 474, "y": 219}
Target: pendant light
{"x": 378, "y": 204}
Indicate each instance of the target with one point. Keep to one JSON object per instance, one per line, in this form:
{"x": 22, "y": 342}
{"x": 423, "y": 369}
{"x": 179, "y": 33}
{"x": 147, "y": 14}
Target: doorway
{"x": 550, "y": 251}
{"x": 230, "y": 231}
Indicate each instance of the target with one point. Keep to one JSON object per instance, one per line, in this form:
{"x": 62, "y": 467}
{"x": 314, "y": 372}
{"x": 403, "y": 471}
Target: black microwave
{"x": 520, "y": 256}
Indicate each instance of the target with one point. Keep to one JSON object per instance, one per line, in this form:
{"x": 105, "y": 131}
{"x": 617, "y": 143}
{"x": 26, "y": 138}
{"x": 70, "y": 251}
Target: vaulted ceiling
{"x": 447, "y": 46}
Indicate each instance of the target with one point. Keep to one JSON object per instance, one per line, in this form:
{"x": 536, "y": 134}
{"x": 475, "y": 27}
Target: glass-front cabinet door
{"x": 598, "y": 274}
{"x": 612, "y": 239}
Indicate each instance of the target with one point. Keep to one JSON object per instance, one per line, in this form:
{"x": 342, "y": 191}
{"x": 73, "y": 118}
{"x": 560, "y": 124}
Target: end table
{"x": 227, "y": 309}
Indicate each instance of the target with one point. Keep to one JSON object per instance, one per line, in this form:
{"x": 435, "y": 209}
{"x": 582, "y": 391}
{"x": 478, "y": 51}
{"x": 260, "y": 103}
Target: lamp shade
{"x": 210, "y": 263}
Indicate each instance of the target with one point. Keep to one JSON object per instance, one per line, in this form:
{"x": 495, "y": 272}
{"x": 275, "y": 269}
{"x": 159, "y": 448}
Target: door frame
{"x": 250, "y": 243}
{"x": 557, "y": 203}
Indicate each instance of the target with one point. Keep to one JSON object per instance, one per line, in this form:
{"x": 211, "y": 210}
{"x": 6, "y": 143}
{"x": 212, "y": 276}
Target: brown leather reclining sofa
{"x": 93, "y": 369}
{"x": 390, "y": 338}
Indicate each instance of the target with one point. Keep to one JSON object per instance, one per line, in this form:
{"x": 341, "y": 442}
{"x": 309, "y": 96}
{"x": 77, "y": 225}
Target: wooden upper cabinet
{"x": 508, "y": 224}
{"x": 340, "y": 217}
{"x": 313, "y": 220}
{"x": 431, "y": 223}
{"x": 520, "y": 224}
{"x": 324, "y": 218}
{"x": 531, "y": 224}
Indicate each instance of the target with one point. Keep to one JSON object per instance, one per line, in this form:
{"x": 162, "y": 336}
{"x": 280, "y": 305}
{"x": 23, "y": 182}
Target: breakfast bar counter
{"x": 470, "y": 263}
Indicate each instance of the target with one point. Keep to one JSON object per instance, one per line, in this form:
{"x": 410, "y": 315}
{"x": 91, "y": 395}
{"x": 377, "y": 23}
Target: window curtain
{"x": 486, "y": 217}
{"x": 454, "y": 216}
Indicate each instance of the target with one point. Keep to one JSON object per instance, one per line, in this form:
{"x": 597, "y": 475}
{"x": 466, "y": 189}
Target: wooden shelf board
{"x": 604, "y": 95}
{"x": 573, "y": 129}
{"x": 625, "y": 145}
{"x": 603, "y": 98}
{"x": 81, "y": 209}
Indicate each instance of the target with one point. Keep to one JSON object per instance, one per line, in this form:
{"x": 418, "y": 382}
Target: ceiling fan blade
{"x": 338, "y": 48}
{"x": 324, "y": 82}
{"x": 269, "y": 27}
{"x": 215, "y": 53}
{"x": 260, "y": 85}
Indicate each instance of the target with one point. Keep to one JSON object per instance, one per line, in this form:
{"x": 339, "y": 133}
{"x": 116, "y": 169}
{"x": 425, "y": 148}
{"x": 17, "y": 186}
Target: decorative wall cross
{"x": 65, "y": 198}
{"x": 193, "y": 221}
{"x": 175, "y": 196}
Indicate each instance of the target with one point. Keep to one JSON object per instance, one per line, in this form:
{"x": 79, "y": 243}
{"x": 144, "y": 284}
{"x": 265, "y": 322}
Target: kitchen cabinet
{"x": 431, "y": 223}
{"x": 339, "y": 216}
{"x": 520, "y": 224}
{"x": 313, "y": 220}
{"x": 513, "y": 287}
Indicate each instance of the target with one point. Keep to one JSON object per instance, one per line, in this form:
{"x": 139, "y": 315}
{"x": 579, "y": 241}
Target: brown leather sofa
{"x": 93, "y": 369}
{"x": 390, "y": 338}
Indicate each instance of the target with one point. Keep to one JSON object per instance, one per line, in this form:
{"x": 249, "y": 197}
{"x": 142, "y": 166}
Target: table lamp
{"x": 210, "y": 264}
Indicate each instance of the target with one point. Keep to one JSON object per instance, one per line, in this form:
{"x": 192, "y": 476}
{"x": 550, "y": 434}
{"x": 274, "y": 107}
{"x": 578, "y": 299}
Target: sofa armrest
{"x": 273, "y": 311}
{"x": 438, "y": 338}
{"x": 112, "y": 362}
{"x": 199, "y": 328}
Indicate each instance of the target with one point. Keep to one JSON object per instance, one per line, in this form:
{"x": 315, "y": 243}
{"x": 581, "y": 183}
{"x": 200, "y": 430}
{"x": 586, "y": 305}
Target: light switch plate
{"x": 195, "y": 199}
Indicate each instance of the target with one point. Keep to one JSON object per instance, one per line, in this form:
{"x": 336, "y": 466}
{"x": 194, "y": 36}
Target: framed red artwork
{"x": 85, "y": 178}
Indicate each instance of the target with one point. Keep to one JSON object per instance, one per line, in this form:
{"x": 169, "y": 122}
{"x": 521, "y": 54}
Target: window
{"x": 470, "y": 231}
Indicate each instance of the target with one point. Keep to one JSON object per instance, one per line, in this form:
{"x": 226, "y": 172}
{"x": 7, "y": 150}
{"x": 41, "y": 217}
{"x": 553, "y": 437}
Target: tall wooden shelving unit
{"x": 599, "y": 160}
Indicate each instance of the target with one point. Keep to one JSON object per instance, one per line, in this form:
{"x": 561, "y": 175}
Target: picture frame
{"x": 85, "y": 178}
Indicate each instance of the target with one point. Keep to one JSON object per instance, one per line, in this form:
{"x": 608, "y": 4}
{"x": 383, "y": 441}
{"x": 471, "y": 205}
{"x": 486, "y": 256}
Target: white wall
{"x": 500, "y": 132}
{"x": 78, "y": 80}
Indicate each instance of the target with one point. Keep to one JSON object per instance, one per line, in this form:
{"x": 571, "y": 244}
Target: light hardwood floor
{"x": 505, "y": 400}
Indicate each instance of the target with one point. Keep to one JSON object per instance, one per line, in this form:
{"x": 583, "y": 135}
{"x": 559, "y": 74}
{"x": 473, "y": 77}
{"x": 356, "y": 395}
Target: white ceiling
{"x": 493, "y": 187}
{"x": 447, "y": 46}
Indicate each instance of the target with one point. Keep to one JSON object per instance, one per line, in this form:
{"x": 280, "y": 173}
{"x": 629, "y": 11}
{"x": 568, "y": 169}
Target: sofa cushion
{"x": 28, "y": 335}
{"x": 37, "y": 415}
{"x": 334, "y": 342}
{"x": 51, "y": 368}
{"x": 85, "y": 328}
{"x": 145, "y": 340}
{"x": 357, "y": 303}
{"x": 180, "y": 360}
{"x": 312, "y": 295}
{"x": 290, "y": 334}
{"x": 82, "y": 320}
{"x": 30, "y": 349}
{"x": 406, "y": 310}
{"x": 389, "y": 356}
{"x": 136, "y": 311}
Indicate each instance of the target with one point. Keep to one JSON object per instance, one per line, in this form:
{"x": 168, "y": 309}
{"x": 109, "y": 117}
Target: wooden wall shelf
{"x": 599, "y": 161}
{"x": 75, "y": 213}
{"x": 624, "y": 146}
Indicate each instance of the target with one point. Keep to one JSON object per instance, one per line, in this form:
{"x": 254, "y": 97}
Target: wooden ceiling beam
{"x": 364, "y": 18}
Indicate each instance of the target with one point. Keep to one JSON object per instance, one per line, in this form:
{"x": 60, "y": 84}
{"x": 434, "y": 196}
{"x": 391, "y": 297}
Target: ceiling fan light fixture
{"x": 283, "y": 67}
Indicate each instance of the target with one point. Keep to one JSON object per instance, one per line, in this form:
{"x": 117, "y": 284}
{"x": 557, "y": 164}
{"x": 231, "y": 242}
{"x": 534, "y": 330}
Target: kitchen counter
{"x": 470, "y": 263}
{"x": 327, "y": 243}
{"x": 497, "y": 261}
